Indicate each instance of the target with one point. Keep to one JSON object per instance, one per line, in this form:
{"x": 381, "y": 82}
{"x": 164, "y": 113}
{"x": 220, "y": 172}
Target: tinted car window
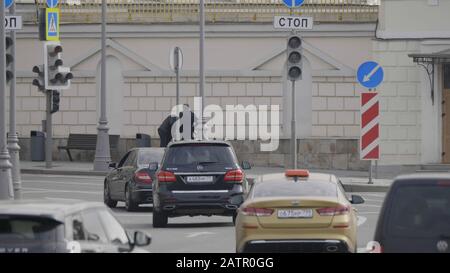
{"x": 122, "y": 161}
{"x": 131, "y": 159}
{"x": 419, "y": 211}
{"x": 211, "y": 157}
{"x": 93, "y": 228}
{"x": 148, "y": 156}
{"x": 20, "y": 229}
{"x": 116, "y": 234}
{"x": 288, "y": 189}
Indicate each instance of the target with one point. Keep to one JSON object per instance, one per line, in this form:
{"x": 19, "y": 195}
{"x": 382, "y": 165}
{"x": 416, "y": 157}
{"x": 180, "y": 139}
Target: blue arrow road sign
{"x": 370, "y": 74}
{"x": 8, "y": 3}
{"x": 293, "y": 3}
{"x": 52, "y": 3}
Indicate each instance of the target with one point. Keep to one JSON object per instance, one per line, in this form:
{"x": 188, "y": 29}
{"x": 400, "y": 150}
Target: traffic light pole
{"x": 6, "y": 186}
{"x": 48, "y": 130}
{"x": 293, "y": 129}
{"x": 177, "y": 72}
{"x": 13, "y": 139}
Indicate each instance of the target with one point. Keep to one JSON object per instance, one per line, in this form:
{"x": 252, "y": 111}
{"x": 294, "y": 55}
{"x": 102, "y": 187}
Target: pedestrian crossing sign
{"x": 52, "y": 24}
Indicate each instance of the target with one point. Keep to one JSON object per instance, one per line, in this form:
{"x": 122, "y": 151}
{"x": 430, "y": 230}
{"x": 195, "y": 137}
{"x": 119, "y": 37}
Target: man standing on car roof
{"x": 174, "y": 126}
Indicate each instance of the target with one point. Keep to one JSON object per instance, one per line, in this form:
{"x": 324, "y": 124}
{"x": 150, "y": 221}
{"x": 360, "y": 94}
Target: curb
{"x": 63, "y": 172}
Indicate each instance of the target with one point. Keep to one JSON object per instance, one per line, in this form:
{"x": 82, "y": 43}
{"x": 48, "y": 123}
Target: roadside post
{"x": 6, "y": 183}
{"x": 13, "y": 23}
{"x": 370, "y": 74}
{"x": 176, "y": 63}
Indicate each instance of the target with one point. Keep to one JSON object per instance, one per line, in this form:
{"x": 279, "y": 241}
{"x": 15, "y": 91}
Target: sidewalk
{"x": 354, "y": 181}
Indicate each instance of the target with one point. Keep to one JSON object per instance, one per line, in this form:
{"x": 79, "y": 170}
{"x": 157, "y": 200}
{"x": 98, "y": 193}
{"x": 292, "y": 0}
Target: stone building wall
{"x": 400, "y": 102}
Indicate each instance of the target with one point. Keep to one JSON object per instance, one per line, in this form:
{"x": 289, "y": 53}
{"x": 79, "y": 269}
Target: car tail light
{"x": 249, "y": 211}
{"x": 234, "y": 176}
{"x": 143, "y": 177}
{"x": 443, "y": 183}
{"x": 332, "y": 211}
{"x": 165, "y": 176}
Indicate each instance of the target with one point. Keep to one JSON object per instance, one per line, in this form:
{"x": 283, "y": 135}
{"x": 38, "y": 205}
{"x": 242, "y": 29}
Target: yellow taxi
{"x": 297, "y": 211}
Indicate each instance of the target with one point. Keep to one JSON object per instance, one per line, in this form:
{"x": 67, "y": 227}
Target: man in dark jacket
{"x": 165, "y": 130}
{"x": 185, "y": 117}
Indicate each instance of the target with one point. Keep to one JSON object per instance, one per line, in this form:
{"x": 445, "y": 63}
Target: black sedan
{"x": 131, "y": 180}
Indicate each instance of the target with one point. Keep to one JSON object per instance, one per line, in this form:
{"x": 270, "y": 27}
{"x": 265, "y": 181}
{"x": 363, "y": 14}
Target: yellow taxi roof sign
{"x": 296, "y": 173}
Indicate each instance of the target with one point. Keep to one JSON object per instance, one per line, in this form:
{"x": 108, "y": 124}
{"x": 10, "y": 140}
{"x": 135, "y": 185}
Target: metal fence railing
{"x": 153, "y": 11}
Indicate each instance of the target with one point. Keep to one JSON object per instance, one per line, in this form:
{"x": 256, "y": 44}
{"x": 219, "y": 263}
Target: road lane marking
{"x": 373, "y": 200}
{"x": 369, "y": 205}
{"x": 368, "y": 212}
{"x": 132, "y": 214}
{"x": 374, "y": 195}
{"x": 65, "y": 183}
{"x": 196, "y": 234}
{"x": 99, "y": 178}
{"x": 362, "y": 250}
{"x": 361, "y": 220}
{"x": 68, "y": 199}
{"x": 40, "y": 190}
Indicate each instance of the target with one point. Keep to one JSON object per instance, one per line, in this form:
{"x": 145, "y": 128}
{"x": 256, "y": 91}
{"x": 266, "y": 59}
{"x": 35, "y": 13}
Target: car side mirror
{"x": 356, "y": 199}
{"x": 113, "y": 165}
{"x": 141, "y": 239}
{"x": 153, "y": 166}
{"x": 246, "y": 165}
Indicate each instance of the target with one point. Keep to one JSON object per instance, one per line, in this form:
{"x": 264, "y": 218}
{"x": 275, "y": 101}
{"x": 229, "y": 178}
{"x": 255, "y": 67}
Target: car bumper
{"x": 214, "y": 202}
{"x": 294, "y": 240}
{"x": 143, "y": 196}
{"x": 296, "y": 246}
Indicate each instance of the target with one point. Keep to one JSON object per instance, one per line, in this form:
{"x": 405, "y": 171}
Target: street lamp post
{"x": 13, "y": 140}
{"x": 102, "y": 152}
{"x": 6, "y": 187}
{"x": 202, "y": 60}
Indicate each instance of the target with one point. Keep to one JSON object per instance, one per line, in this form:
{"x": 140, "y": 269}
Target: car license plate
{"x": 199, "y": 179}
{"x": 295, "y": 213}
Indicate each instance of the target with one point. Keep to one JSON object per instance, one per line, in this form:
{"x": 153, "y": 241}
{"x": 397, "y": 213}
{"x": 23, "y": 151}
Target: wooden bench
{"x": 87, "y": 142}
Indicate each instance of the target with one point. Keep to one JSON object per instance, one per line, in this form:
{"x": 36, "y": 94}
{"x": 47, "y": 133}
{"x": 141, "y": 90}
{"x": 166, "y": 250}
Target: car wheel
{"x": 107, "y": 196}
{"x": 130, "y": 204}
{"x": 160, "y": 219}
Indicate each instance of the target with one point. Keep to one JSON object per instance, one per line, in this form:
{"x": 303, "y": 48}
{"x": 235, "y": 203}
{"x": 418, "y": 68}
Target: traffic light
{"x": 55, "y": 101}
{"x": 9, "y": 59}
{"x": 57, "y": 77}
{"x": 39, "y": 81}
{"x": 294, "y": 58}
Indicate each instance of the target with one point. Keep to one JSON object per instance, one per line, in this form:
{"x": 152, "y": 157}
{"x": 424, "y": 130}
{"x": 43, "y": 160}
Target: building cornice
{"x": 212, "y": 31}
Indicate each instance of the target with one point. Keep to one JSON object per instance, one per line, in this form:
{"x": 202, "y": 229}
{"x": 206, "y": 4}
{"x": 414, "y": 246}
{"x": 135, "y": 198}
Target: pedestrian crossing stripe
{"x": 52, "y": 27}
{"x": 52, "y": 24}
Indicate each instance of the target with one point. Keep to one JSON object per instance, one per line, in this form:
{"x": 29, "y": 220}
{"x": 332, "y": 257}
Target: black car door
{"x": 128, "y": 169}
{"x": 116, "y": 177}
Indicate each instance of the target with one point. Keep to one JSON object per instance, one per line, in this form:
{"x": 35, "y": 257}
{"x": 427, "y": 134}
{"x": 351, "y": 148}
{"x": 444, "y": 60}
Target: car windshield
{"x": 210, "y": 157}
{"x": 151, "y": 155}
{"x": 20, "y": 229}
{"x": 291, "y": 189}
{"x": 420, "y": 211}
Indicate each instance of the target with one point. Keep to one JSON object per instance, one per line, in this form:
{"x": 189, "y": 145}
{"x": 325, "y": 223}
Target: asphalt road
{"x": 183, "y": 234}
